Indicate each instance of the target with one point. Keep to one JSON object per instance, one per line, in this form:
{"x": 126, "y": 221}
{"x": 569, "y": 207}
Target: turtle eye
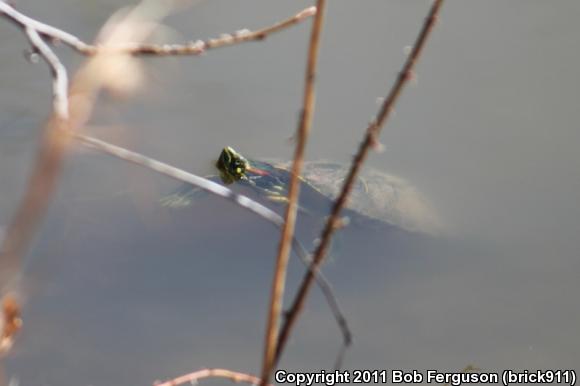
{"x": 238, "y": 170}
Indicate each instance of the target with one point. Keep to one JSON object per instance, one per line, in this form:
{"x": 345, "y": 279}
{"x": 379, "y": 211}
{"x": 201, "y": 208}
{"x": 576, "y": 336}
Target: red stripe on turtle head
{"x": 260, "y": 172}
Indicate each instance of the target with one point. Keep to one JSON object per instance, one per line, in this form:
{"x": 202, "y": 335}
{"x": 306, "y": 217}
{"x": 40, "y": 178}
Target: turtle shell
{"x": 377, "y": 195}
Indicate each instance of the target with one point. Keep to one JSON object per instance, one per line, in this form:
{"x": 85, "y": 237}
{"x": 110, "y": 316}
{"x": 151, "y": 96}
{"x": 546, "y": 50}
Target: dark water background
{"x": 121, "y": 291}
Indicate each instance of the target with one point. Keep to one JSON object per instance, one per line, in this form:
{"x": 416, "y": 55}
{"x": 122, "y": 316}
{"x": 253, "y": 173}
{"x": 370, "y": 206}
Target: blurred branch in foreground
{"x": 87, "y": 82}
{"x": 370, "y": 141}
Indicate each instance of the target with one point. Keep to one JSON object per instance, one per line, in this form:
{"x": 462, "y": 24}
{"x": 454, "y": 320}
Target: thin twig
{"x": 279, "y": 279}
{"x": 228, "y": 194}
{"x": 193, "y": 378}
{"x": 193, "y": 48}
{"x": 369, "y": 141}
{"x": 183, "y": 176}
{"x": 59, "y": 74}
{"x": 199, "y": 47}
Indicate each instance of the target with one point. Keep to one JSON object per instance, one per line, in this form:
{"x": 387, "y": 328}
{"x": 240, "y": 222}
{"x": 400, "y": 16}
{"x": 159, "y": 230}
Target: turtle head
{"x": 231, "y": 165}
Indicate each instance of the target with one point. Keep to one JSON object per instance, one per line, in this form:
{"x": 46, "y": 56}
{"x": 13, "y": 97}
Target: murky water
{"x": 122, "y": 291}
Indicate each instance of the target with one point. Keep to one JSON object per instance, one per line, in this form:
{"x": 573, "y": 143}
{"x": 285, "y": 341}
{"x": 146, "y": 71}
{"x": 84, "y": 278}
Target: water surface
{"x": 122, "y": 291}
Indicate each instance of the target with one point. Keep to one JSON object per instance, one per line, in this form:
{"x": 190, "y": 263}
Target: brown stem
{"x": 279, "y": 279}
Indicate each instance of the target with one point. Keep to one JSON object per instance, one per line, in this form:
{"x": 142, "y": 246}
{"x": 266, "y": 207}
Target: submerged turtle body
{"x": 376, "y": 196}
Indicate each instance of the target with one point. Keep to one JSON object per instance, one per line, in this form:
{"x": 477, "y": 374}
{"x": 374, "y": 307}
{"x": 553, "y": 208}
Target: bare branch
{"x": 59, "y": 74}
{"x": 193, "y": 48}
{"x": 194, "y": 377}
{"x": 369, "y": 141}
{"x": 279, "y": 279}
{"x": 200, "y": 46}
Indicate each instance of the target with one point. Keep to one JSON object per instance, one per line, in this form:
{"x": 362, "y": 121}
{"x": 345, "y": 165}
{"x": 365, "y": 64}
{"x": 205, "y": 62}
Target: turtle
{"x": 376, "y": 198}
